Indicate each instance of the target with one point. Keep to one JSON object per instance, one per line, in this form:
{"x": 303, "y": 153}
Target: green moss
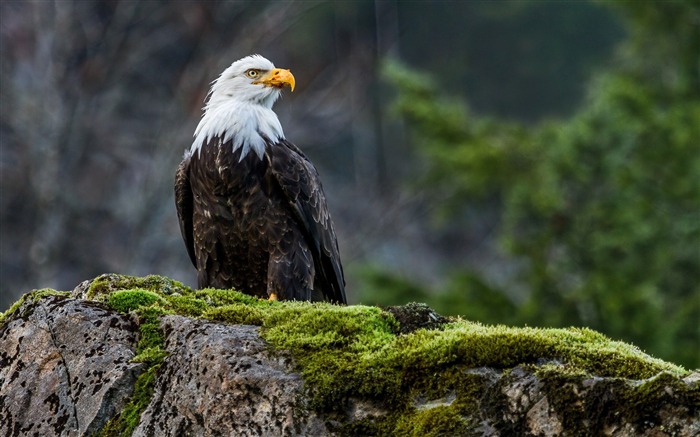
{"x": 129, "y": 300}
{"x": 478, "y": 345}
{"x": 355, "y": 353}
{"x": 150, "y": 348}
{"x": 635, "y": 402}
{"x": 187, "y": 305}
{"x": 124, "y": 424}
{"x": 350, "y": 352}
{"x": 236, "y": 314}
{"x": 338, "y": 350}
{"x": 149, "y": 306}
{"x": 105, "y": 284}
{"x": 640, "y": 402}
{"x": 438, "y": 421}
{"x": 32, "y": 296}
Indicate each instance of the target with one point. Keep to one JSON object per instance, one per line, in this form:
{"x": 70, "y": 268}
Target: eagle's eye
{"x": 252, "y": 73}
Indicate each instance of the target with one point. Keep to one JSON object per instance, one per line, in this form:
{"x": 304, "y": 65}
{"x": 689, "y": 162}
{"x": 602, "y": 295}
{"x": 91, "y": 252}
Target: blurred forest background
{"x": 524, "y": 162}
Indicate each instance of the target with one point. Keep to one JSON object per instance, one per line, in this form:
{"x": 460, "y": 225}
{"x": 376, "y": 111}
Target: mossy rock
{"x": 422, "y": 372}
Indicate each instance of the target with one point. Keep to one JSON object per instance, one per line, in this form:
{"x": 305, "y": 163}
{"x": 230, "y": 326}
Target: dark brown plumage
{"x": 260, "y": 226}
{"x": 251, "y": 207}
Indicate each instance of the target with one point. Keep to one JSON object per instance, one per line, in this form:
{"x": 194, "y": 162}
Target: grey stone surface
{"x": 64, "y": 367}
{"x": 221, "y": 380}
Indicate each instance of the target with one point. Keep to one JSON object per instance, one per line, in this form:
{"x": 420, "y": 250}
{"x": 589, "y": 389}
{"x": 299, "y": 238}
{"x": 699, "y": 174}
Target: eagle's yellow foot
{"x": 273, "y": 297}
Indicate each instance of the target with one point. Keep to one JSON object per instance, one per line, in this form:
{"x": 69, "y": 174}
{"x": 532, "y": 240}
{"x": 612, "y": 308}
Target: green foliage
{"x": 467, "y": 294}
{"x": 603, "y": 209}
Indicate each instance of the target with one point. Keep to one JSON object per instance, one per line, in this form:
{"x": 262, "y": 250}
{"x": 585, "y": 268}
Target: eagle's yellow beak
{"x": 278, "y": 78}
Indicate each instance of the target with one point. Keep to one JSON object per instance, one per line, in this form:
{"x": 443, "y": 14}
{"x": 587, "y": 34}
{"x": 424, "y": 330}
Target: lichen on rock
{"x": 65, "y": 366}
{"x": 218, "y": 362}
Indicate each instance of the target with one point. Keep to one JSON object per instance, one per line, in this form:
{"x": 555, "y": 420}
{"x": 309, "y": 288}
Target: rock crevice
{"x": 65, "y": 367}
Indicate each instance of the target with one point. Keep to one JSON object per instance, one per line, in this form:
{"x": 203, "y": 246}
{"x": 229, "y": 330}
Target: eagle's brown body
{"x": 260, "y": 226}
{"x": 251, "y": 207}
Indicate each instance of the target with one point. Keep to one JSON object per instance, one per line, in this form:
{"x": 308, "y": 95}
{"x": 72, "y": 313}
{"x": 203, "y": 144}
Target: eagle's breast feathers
{"x": 250, "y": 204}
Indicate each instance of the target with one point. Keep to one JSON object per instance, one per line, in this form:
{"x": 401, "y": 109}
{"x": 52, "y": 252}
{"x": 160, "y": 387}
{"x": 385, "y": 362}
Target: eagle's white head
{"x": 239, "y": 108}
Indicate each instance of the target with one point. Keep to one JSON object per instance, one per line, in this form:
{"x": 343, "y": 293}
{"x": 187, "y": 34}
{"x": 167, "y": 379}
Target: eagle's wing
{"x": 183, "y": 203}
{"x": 301, "y": 185}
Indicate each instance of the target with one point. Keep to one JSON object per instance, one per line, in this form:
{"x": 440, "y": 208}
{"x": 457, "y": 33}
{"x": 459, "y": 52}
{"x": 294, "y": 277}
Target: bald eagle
{"x": 250, "y": 204}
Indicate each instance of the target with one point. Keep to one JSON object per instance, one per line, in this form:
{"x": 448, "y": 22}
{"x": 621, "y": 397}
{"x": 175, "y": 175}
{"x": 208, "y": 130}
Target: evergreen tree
{"x": 602, "y": 210}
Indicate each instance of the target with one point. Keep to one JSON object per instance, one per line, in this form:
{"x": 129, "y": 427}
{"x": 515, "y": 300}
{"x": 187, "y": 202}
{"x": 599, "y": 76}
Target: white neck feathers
{"x": 247, "y": 125}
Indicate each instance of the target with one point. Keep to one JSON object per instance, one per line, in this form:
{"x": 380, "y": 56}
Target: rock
{"x": 73, "y": 366}
{"x": 64, "y": 367}
{"x": 414, "y": 316}
{"x": 222, "y": 380}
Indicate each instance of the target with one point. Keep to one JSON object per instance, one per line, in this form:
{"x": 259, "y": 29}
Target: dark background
{"x": 512, "y": 180}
